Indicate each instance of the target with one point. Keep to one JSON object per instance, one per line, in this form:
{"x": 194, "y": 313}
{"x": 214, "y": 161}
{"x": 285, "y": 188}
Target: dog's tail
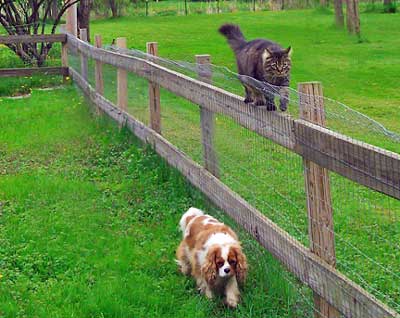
{"x": 233, "y": 34}
{"x": 187, "y": 217}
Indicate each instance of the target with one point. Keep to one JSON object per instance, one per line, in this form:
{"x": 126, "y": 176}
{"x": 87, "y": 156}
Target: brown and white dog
{"x": 210, "y": 251}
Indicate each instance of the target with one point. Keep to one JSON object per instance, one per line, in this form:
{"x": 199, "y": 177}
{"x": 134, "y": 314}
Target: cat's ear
{"x": 266, "y": 54}
{"x": 289, "y": 51}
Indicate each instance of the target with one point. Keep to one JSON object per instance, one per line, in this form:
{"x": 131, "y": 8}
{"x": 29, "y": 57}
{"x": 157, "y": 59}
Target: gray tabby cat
{"x": 264, "y": 60}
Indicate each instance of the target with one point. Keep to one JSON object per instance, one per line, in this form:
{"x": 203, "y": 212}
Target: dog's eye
{"x": 232, "y": 262}
{"x": 220, "y": 264}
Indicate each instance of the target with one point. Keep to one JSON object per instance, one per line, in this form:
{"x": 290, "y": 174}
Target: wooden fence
{"x": 321, "y": 149}
{"x": 25, "y": 39}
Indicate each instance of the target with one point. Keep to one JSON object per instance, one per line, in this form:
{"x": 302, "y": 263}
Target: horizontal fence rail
{"x": 370, "y": 166}
{"x": 12, "y": 72}
{"x": 346, "y": 296}
{"x": 22, "y": 39}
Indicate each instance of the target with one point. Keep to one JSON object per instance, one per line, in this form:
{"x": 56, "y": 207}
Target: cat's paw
{"x": 271, "y": 107}
{"x": 283, "y": 105}
{"x": 258, "y": 103}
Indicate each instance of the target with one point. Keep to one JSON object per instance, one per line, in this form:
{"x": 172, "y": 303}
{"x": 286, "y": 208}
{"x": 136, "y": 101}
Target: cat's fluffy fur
{"x": 263, "y": 60}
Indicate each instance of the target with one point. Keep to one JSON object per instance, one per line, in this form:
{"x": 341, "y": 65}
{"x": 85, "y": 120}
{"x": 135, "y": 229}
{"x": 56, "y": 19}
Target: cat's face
{"x": 277, "y": 63}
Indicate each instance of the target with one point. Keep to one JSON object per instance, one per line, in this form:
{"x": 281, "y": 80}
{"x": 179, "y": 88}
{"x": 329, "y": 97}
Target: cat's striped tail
{"x": 233, "y": 34}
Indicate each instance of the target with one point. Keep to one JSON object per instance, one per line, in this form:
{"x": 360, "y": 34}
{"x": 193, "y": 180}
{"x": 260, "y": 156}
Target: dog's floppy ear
{"x": 209, "y": 269}
{"x": 241, "y": 266}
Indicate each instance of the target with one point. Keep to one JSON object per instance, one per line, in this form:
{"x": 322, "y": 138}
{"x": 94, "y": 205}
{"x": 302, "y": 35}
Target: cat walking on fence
{"x": 264, "y": 60}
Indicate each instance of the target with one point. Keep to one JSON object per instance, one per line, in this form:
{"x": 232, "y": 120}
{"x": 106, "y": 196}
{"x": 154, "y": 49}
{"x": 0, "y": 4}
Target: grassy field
{"x": 88, "y": 223}
{"x": 359, "y": 73}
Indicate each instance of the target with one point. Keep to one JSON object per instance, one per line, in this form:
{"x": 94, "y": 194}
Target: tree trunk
{"x": 276, "y": 5}
{"x": 84, "y": 16}
{"x": 353, "y": 17}
{"x": 113, "y": 7}
{"x": 339, "y": 18}
{"x": 323, "y": 3}
{"x": 388, "y": 6}
{"x": 349, "y": 16}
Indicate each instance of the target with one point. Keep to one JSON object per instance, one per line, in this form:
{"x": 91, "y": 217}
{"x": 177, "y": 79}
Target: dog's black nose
{"x": 227, "y": 270}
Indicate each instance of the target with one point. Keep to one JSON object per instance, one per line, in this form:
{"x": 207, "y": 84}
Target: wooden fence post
{"x": 319, "y": 203}
{"x": 64, "y": 57}
{"x": 98, "y": 67}
{"x": 207, "y": 118}
{"x": 84, "y": 59}
{"x": 98, "y": 70}
{"x": 154, "y": 94}
{"x": 122, "y": 80}
{"x": 72, "y": 18}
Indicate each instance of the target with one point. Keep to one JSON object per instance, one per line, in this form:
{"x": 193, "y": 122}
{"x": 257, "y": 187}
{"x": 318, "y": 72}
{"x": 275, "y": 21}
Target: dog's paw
{"x": 183, "y": 267}
{"x": 231, "y": 302}
{"x": 186, "y": 270}
{"x": 201, "y": 286}
{"x": 209, "y": 294}
{"x": 248, "y": 100}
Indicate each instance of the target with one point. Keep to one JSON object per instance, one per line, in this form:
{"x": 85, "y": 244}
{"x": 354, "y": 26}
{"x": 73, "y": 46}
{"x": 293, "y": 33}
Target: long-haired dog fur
{"x": 211, "y": 252}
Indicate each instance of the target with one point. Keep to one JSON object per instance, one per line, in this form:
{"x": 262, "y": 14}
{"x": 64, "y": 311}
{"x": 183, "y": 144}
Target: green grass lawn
{"x": 88, "y": 223}
{"x": 362, "y": 74}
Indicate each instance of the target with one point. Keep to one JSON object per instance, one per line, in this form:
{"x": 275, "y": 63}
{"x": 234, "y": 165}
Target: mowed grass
{"x": 362, "y": 75}
{"x": 88, "y": 223}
